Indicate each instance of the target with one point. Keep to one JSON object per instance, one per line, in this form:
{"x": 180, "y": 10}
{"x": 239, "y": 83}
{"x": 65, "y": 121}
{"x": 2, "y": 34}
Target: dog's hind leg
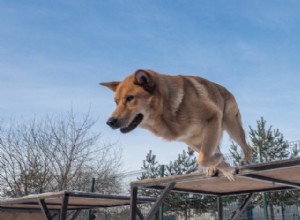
{"x": 233, "y": 125}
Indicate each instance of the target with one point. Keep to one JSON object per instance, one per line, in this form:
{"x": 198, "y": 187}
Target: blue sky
{"x": 54, "y": 53}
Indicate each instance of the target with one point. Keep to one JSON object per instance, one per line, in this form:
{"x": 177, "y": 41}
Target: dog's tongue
{"x": 136, "y": 121}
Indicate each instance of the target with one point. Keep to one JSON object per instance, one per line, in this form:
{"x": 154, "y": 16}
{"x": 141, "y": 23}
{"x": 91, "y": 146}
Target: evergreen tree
{"x": 236, "y": 154}
{"x": 267, "y": 145}
{"x": 150, "y": 167}
{"x": 180, "y": 204}
{"x": 294, "y": 150}
{"x": 185, "y": 163}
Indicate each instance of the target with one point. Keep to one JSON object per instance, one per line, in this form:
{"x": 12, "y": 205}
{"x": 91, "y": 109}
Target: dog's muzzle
{"x": 115, "y": 123}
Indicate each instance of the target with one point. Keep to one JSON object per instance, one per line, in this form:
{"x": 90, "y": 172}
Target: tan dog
{"x": 183, "y": 108}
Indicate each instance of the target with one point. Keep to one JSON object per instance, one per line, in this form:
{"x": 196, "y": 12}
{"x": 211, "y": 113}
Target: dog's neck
{"x": 176, "y": 97}
{"x": 171, "y": 89}
{"x": 160, "y": 122}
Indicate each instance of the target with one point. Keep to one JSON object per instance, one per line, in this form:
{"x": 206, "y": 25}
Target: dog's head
{"x": 133, "y": 97}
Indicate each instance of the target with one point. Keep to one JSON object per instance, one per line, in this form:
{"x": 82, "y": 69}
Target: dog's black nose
{"x": 112, "y": 122}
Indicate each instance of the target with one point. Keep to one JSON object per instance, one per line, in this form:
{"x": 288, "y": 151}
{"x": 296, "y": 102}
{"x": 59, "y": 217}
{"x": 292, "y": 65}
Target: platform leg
{"x": 160, "y": 200}
{"x": 139, "y": 213}
{"x": 75, "y": 215}
{"x": 64, "y": 207}
{"x": 45, "y": 210}
{"x": 239, "y": 211}
{"x": 220, "y": 208}
{"x": 133, "y": 202}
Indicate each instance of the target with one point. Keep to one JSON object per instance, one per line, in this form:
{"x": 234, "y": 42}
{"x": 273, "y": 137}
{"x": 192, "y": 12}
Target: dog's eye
{"x": 129, "y": 98}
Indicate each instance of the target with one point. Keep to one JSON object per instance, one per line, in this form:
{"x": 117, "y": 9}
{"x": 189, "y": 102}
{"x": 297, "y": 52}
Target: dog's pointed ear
{"x": 111, "y": 85}
{"x": 144, "y": 79}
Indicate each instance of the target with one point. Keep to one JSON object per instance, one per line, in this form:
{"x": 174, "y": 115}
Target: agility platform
{"x": 55, "y": 205}
{"x": 263, "y": 177}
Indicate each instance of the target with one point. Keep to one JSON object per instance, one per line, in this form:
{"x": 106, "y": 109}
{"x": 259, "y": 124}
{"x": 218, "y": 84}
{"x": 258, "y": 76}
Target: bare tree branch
{"x": 56, "y": 153}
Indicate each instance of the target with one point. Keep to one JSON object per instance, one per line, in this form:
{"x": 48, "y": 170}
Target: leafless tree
{"x": 56, "y": 153}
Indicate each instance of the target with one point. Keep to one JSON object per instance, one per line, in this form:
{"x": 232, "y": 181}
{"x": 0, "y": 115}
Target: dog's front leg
{"x": 210, "y": 156}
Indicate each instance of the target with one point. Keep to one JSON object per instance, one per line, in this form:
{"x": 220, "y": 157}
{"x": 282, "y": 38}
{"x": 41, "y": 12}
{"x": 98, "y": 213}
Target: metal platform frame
{"x": 252, "y": 173}
{"x": 58, "y": 209}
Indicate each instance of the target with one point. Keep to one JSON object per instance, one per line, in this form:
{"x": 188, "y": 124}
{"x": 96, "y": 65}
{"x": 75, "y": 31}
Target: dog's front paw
{"x": 211, "y": 171}
{"x": 227, "y": 170}
{"x": 229, "y": 173}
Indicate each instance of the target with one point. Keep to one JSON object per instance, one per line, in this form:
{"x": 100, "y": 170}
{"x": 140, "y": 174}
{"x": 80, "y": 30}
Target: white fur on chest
{"x": 184, "y": 137}
{"x": 190, "y": 132}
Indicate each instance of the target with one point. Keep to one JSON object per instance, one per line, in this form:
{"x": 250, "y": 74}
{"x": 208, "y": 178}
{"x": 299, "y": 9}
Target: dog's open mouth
{"x": 135, "y": 122}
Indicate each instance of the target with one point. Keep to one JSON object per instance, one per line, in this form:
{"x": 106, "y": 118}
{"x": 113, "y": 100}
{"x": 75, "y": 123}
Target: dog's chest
{"x": 189, "y": 133}
{"x": 159, "y": 130}
{"x": 183, "y": 134}
{"x": 184, "y": 137}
